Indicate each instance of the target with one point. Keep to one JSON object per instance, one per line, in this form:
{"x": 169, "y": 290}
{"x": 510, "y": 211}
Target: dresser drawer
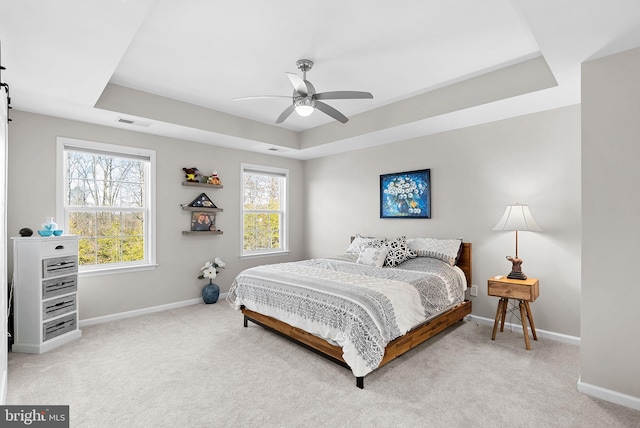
{"x": 59, "y": 247}
{"x": 58, "y": 306}
{"x": 58, "y": 266}
{"x": 527, "y": 289}
{"x": 58, "y": 286}
{"x": 58, "y": 327}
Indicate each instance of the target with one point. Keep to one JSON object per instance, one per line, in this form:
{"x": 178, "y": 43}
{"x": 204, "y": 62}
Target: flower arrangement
{"x": 210, "y": 269}
{"x": 405, "y": 192}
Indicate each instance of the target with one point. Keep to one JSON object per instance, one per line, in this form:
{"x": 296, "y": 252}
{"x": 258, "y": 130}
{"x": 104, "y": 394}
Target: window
{"x": 106, "y": 197}
{"x": 264, "y": 210}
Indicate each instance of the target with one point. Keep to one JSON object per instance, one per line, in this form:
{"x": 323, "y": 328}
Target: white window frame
{"x": 284, "y": 211}
{"x": 62, "y": 217}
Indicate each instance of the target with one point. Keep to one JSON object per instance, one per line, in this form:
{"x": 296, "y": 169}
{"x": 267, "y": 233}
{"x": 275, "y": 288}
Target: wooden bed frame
{"x": 394, "y": 349}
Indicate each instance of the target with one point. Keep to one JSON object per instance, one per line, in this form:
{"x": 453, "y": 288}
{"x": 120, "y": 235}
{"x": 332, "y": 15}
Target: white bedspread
{"x": 359, "y": 308}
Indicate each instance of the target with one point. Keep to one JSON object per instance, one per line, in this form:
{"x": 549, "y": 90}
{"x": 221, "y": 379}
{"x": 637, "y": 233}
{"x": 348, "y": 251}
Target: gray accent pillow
{"x": 399, "y": 251}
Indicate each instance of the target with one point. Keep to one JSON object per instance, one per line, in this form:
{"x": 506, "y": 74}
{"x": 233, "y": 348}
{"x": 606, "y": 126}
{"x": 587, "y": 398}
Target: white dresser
{"x": 45, "y": 285}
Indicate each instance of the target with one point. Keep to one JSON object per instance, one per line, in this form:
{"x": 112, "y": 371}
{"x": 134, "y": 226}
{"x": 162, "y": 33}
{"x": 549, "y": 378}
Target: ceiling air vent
{"x": 133, "y": 122}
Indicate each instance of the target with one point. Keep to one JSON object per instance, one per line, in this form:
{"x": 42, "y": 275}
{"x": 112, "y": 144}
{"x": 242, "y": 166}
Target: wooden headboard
{"x": 464, "y": 262}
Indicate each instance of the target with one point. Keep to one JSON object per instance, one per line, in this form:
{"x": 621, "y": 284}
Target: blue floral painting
{"x": 406, "y": 194}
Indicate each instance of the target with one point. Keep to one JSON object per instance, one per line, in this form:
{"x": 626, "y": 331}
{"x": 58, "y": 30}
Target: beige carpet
{"x": 198, "y": 367}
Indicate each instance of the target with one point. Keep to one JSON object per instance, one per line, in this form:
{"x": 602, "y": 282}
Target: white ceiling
{"x": 425, "y": 61}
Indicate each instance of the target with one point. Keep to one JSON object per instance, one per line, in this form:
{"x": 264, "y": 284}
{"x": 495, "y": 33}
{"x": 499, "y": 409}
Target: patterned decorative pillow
{"x": 446, "y": 250}
{"x": 399, "y": 251}
{"x": 373, "y": 256}
{"x": 360, "y": 242}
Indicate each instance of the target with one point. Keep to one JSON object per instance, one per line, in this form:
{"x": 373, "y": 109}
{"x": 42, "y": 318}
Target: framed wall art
{"x": 406, "y": 194}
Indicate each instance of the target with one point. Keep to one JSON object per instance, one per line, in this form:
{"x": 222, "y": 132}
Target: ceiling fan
{"x": 305, "y": 99}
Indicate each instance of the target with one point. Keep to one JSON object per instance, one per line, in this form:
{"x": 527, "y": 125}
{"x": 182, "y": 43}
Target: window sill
{"x": 271, "y": 254}
{"x": 113, "y": 270}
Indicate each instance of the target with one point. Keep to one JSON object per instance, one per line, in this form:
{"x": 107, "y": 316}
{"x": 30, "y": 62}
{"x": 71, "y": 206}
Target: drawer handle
{"x": 61, "y": 264}
{"x": 60, "y": 247}
{"x": 62, "y": 284}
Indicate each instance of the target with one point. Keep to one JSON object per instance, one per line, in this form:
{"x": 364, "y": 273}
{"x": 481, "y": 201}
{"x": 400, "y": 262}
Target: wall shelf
{"x": 203, "y": 209}
{"x": 202, "y": 232}
{"x": 194, "y": 184}
{"x": 202, "y": 199}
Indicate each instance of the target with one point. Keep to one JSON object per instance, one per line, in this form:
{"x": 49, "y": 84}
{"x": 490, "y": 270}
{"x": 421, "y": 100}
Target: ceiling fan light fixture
{"x": 306, "y": 99}
{"x": 305, "y": 106}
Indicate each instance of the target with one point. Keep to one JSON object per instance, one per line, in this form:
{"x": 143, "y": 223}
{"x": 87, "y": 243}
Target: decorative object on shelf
{"x": 214, "y": 179}
{"x": 45, "y": 232}
{"x": 25, "y": 231}
{"x": 58, "y": 232}
{"x": 202, "y": 221}
{"x": 202, "y": 201}
{"x": 517, "y": 217}
{"x": 192, "y": 174}
{"x": 49, "y": 224}
{"x": 406, "y": 194}
{"x": 211, "y": 291}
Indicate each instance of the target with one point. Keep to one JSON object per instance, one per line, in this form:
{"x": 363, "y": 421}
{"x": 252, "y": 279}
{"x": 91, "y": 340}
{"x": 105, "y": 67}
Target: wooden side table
{"x": 525, "y": 291}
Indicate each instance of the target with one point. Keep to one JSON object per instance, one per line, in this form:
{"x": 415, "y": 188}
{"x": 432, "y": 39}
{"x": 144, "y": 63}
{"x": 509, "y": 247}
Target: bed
{"x": 353, "y": 311}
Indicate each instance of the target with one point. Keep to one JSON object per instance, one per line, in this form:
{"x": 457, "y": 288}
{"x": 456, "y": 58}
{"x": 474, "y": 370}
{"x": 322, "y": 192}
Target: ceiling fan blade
{"x": 262, "y": 97}
{"x": 298, "y": 84}
{"x": 328, "y": 110}
{"x": 343, "y": 95}
{"x": 285, "y": 114}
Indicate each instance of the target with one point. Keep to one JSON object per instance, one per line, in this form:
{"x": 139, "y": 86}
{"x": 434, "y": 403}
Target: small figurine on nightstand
{"x": 214, "y": 179}
{"x": 516, "y": 268}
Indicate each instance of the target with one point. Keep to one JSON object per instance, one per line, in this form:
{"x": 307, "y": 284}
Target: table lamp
{"x": 517, "y": 217}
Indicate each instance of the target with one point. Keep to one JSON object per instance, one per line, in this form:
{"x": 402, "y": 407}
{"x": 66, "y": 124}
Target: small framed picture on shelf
{"x": 202, "y": 221}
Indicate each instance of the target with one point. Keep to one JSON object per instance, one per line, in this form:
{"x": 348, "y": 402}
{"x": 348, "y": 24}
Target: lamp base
{"x": 516, "y": 275}
{"x": 516, "y": 268}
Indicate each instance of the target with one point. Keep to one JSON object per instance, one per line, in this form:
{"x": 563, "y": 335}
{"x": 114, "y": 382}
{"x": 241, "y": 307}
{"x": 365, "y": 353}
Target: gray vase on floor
{"x": 210, "y": 293}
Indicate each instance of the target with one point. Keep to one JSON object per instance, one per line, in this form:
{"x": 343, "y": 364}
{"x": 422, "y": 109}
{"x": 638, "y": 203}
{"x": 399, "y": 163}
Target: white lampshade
{"x": 517, "y": 217}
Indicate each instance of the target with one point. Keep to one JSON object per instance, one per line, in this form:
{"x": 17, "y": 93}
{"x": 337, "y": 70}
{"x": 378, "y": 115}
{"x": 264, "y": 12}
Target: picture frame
{"x": 203, "y": 221}
{"x": 406, "y": 194}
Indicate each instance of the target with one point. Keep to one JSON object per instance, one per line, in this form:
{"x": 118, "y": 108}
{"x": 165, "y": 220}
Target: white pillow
{"x": 373, "y": 256}
{"x": 441, "y": 249}
{"x": 360, "y": 242}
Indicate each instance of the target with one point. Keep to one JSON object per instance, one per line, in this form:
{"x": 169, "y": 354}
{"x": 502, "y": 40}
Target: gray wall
{"x": 611, "y": 223}
{"x": 475, "y": 173}
{"x": 31, "y": 197}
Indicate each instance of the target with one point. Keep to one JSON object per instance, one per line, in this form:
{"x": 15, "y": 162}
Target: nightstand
{"x": 525, "y": 291}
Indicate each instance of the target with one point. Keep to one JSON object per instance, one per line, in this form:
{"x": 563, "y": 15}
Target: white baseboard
{"x": 609, "y": 395}
{"x": 559, "y": 337}
{"x": 143, "y": 311}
